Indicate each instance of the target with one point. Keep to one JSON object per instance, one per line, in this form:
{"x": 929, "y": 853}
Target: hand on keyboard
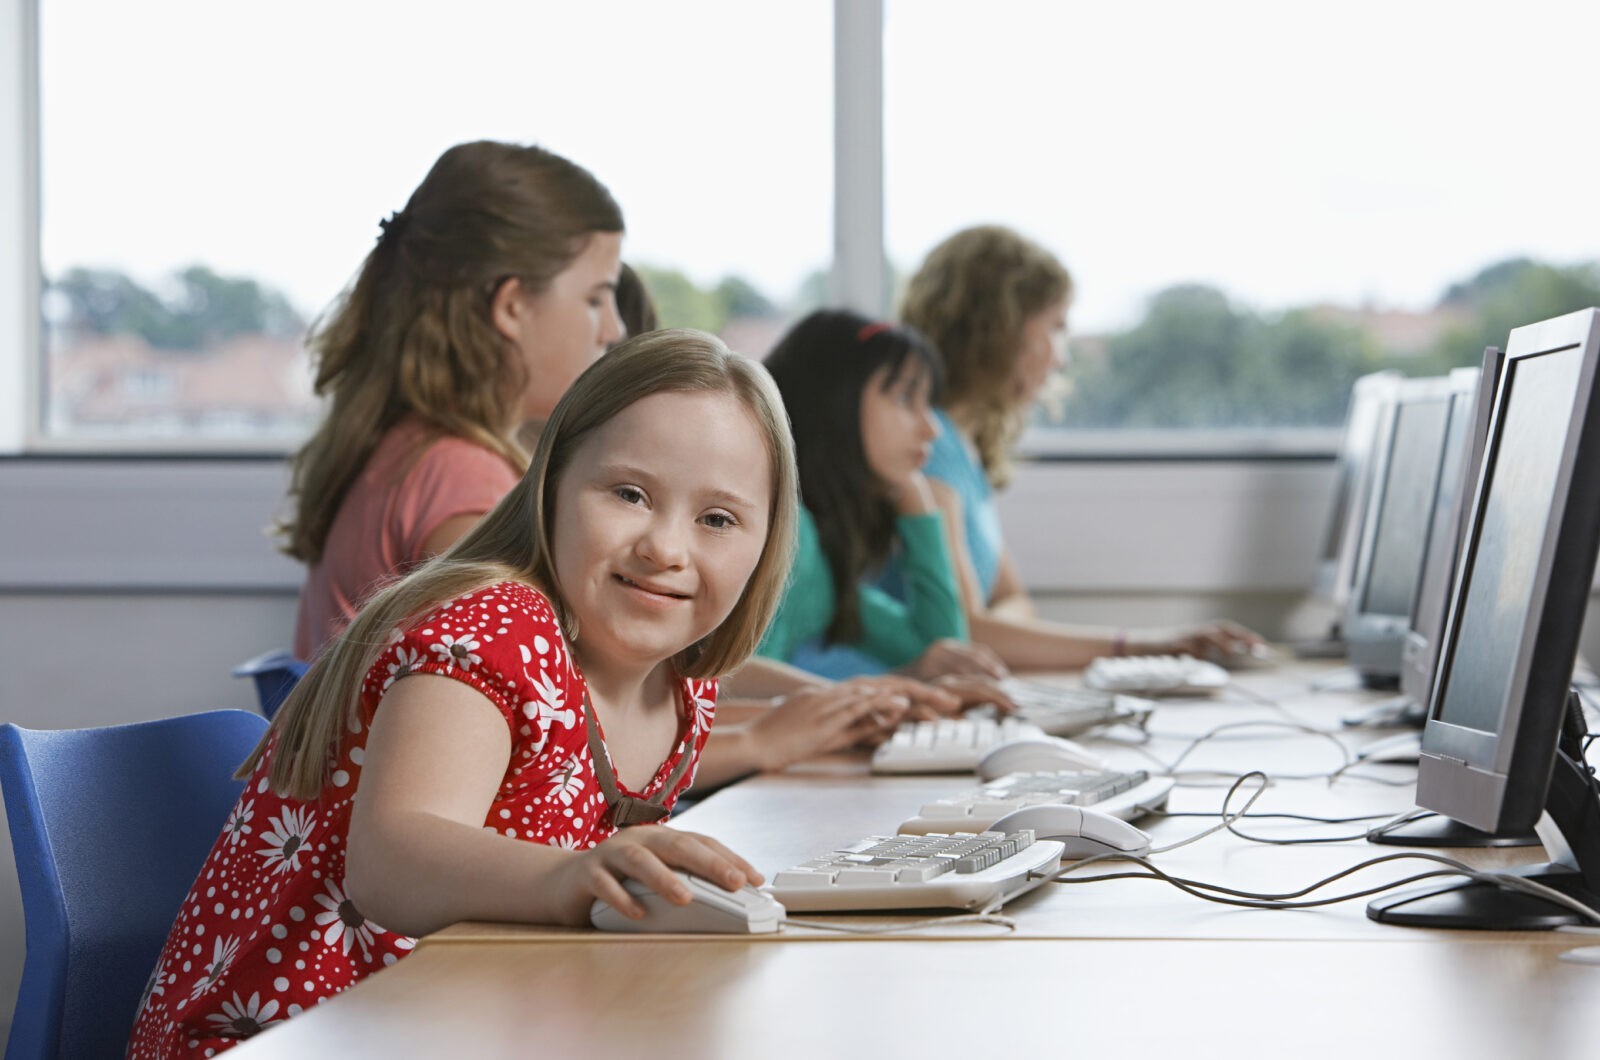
{"x": 948, "y": 657}
{"x": 976, "y": 692}
{"x": 823, "y": 719}
{"x": 1064, "y": 711}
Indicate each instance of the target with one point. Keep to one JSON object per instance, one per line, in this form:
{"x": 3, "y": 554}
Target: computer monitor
{"x": 1369, "y": 395}
{"x": 1406, "y": 460}
{"x": 1472, "y": 397}
{"x": 1501, "y": 750}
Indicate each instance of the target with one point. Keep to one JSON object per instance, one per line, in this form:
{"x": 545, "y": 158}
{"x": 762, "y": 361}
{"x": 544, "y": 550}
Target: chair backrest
{"x": 109, "y": 827}
{"x": 275, "y": 674}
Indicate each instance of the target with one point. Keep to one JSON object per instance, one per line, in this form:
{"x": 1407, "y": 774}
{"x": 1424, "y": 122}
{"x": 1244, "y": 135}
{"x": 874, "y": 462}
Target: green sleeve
{"x": 899, "y": 630}
{"x": 807, "y": 606}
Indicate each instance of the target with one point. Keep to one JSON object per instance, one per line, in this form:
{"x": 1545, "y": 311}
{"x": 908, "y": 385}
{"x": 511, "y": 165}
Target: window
{"x": 212, "y": 174}
{"x": 1258, "y": 201}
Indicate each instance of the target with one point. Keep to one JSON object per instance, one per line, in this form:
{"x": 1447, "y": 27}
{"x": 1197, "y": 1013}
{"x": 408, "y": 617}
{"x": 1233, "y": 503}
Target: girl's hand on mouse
{"x": 649, "y": 854}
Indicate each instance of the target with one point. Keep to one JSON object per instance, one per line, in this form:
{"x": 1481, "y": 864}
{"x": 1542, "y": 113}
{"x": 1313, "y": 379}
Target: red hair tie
{"x": 870, "y": 330}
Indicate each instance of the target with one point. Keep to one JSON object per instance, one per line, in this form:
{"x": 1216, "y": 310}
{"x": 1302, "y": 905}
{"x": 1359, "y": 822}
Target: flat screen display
{"x": 1523, "y": 464}
{"x": 1401, "y": 532}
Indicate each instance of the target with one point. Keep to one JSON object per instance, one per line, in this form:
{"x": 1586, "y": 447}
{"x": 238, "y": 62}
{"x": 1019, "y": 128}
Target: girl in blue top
{"x": 995, "y": 305}
{"x": 859, "y": 396}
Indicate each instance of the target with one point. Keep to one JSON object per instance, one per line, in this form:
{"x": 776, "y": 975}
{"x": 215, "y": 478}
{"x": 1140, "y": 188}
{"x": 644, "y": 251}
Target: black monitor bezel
{"x": 1497, "y": 781}
{"x": 1377, "y": 523}
{"x": 1336, "y": 561}
{"x": 1447, "y": 525}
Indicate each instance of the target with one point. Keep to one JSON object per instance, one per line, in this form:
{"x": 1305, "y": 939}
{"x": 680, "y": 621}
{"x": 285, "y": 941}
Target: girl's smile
{"x": 660, "y": 519}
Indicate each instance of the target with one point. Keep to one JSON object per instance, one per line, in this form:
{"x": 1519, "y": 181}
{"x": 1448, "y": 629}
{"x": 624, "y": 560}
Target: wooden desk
{"x": 1091, "y": 967}
{"x": 1461, "y": 998}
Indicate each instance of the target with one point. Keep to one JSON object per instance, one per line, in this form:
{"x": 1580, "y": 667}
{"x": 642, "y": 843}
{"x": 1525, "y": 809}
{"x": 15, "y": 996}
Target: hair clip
{"x": 869, "y": 330}
{"x": 393, "y": 225}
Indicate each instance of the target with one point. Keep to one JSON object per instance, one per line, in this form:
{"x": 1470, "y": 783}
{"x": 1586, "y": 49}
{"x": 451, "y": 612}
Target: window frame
{"x": 859, "y": 272}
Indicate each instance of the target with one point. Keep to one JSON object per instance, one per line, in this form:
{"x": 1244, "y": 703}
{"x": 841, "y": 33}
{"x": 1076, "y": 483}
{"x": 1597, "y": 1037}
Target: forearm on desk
{"x": 1035, "y": 644}
{"x": 764, "y": 678}
{"x": 416, "y": 872}
{"x": 731, "y": 752}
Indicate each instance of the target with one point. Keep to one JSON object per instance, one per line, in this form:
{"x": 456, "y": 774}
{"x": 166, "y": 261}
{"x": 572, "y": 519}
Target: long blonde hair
{"x": 972, "y": 297}
{"x": 512, "y": 542}
{"x": 414, "y": 333}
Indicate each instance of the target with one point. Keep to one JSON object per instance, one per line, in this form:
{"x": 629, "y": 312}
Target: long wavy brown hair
{"x": 513, "y": 542}
{"x": 971, "y": 298}
{"x": 414, "y": 333}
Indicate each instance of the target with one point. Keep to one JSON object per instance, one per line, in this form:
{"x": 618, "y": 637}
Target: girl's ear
{"x": 508, "y": 309}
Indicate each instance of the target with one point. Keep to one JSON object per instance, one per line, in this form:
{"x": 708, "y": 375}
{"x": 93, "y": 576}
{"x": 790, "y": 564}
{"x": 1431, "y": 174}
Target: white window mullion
{"x": 20, "y": 348}
{"x": 860, "y": 275}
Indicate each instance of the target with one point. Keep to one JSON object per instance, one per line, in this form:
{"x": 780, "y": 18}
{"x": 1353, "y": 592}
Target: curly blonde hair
{"x": 414, "y": 333}
{"x": 513, "y": 542}
{"x": 971, "y": 298}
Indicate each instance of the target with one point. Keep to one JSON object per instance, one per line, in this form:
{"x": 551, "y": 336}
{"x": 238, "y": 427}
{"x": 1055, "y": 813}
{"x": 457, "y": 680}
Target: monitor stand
{"x": 1379, "y": 681}
{"x": 1331, "y": 645}
{"x": 1570, "y": 830}
{"x": 1327, "y": 648}
{"x": 1396, "y": 710}
{"x": 1437, "y": 830}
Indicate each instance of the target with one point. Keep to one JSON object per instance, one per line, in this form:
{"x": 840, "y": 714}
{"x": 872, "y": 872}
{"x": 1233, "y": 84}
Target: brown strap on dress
{"x": 627, "y": 809}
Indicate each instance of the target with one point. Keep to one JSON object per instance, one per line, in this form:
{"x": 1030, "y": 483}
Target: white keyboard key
{"x": 948, "y": 745}
{"x": 803, "y": 878}
{"x": 1124, "y": 795}
{"x": 952, "y": 871}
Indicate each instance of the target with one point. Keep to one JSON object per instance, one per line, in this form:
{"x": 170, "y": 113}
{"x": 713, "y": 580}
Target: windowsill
{"x": 1187, "y": 446}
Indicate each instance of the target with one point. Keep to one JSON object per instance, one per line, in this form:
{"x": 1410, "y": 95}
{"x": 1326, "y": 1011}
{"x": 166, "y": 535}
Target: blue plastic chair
{"x": 110, "y": 827}
{"x": 275, "y": 675}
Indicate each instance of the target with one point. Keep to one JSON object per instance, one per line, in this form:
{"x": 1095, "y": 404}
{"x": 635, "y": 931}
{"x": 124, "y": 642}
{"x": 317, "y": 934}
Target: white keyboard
{"x": 962, "y": 871}
{"x": 1063, "y": 711}
{"x": 947, "y": 745}
{"x": 1122, "y": 794}
{"x": 1172, "y": 675}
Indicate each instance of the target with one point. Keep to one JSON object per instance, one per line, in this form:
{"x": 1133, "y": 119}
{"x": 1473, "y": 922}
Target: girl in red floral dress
{"x": 501, "y": 707}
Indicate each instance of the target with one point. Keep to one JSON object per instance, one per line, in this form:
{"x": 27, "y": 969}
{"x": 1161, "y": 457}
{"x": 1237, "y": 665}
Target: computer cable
{"x": 1190, "y": 778}
{"x": 1043, "y": 878}
{"x": 1157, "y": 811}
{"x": 1390, "y": 820}
{"x": 1239, "y": 695}
{"x": 1291, "y": 899}
{"x": 1287, "y": 900}
{"x": 984, "y": 916}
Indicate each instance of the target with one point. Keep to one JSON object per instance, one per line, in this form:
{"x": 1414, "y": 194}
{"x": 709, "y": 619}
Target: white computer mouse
{"x": 1036, "y": 754}
{"x": 743, "y": 912}
{"x": 1083, "y": 832}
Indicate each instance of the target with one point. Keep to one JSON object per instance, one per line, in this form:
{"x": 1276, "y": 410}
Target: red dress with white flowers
{"x": 267, "y": 930}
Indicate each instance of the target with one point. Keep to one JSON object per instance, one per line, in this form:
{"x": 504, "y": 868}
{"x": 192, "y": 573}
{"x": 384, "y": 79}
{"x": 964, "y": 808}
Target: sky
{"x": 1360, "y": 152}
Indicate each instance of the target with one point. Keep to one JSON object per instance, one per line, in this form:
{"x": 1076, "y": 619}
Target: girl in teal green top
{"x": 859, "y": 399}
